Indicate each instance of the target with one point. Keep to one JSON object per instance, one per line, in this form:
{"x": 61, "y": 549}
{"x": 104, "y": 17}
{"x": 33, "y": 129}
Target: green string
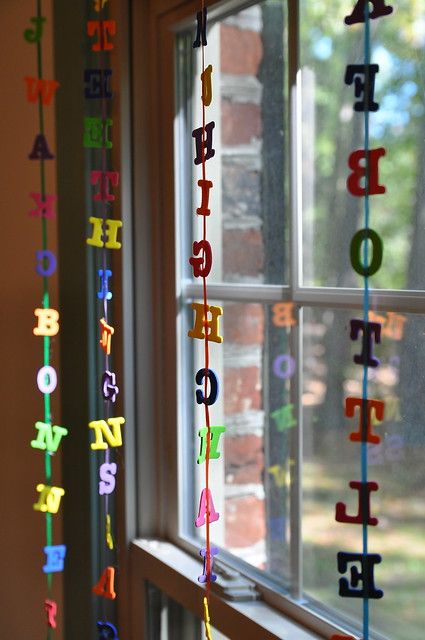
{"x": 46, "y": 305}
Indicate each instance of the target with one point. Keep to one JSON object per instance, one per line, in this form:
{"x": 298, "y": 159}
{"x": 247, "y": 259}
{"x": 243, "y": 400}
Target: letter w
{"x": 46, "y": 89}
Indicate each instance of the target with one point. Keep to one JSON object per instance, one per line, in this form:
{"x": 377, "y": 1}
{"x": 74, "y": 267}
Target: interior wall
{"x": 23, "y": 587}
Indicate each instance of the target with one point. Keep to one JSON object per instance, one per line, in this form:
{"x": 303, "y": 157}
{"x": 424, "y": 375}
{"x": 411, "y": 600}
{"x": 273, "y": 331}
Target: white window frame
{"x": 151, "y": 299}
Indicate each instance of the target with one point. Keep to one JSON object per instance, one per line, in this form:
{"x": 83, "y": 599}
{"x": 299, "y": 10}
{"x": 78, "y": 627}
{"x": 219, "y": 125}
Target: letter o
{"x": 355, "y": 248}
{"x": 47, "y": 387}
{"x": 290, "y": 366}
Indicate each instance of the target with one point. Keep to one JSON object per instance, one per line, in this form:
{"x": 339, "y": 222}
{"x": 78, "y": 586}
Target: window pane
{"x": 332, "y": 130}
{"x": 331, "y": 461}
{"x": 251, "y": 480}
{"x": 248, "y": 202}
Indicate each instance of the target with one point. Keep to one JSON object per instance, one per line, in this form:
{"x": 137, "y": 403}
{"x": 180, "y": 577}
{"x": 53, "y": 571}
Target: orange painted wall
{"x": 23, "y": 585}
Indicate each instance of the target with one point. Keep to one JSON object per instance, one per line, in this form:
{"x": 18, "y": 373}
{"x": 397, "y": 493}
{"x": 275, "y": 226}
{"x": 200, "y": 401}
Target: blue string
{"x": 366, "y": 296}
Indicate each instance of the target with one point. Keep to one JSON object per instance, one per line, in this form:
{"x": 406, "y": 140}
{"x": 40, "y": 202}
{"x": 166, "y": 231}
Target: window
{"x": 281, "y": 224}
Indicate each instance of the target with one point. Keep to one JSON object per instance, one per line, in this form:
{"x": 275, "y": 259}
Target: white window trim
{"x": 149, "y": 241}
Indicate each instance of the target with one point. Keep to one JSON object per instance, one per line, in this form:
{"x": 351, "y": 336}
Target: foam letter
{"x": 206, "y": 506}
{"x": 363, "y": 90}
{"x": 35, "y": 35}
{"x": 105, "y": 178}
{"x": 282, "y": 314}
{"x": 206, "y": 186}
{"x": 45, "y": 89}
{"x": 208, "y": 575}
{"x": 102, "y": 28}
{"x": 50, "y": 498}
{"x": 48, "y": 259}
{"x": 106, "y": 336}
{"x": 104, "y": 292}
{"x": 48, "y": 438}
{"x": 112, "y": 227}
{"x": 47, "y": 379}
{"x": 370, "y": 330}
{"x": 201, "y": 266}
{"x": 97, "y": 83}
{"x": 51, "y": 609}
{"x": 363, "y": 514}
{"x": 55, "y": 558}
{"x": 44, "y": 206}
{"x": 40, "y": 149}
{"x": 107, "y": 631}
{"x": 206, "y": 86}
{"x": 47, "y": 322}
{"x": 215, "y": 433}
{"x": 199, "y": 326}
{"x": 379, "y": 9}
{"x": 105, "y": 586}
{"x": 359, "y": 172}
{"x": 204, "y": 149}
{"x": 284, "y": 417}
{"x": 201, "y": 20}
{"x": 107, "y": 473}
{"x": 200, "y": 398}
{"x": 364, "y": 433}
{"x": 96, "y": 133}
{"x": 101, "y": 428}
{"x": 109, "y": 386}
{"x": 364, "y": 235}
{"x": 290, "y": 366}
{"x": 365, "y": 576}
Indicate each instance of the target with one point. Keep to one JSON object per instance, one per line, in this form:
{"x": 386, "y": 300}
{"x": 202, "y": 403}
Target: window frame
{"x": 154, "y": 299}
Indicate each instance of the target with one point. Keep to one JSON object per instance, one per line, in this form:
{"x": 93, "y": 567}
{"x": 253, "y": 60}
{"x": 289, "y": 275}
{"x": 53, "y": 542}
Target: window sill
{"x": 175, "y": 573}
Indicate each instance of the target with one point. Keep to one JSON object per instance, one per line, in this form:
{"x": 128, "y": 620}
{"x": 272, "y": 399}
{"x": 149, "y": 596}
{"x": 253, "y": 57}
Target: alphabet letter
{"x": 105, "y": 586}
{"x": 201, "y": 266}
{"x": 368, "y": 171}
{"x": 379, "y": 9}
{"x": 369, "y": 329}
{"x": 364, "y": 89}
{"x": 199, "y": 326}
{"x": 363, "y": 515}
{"x": 204, "y": 149}
{"x": 364, "y": 434}
{"x": 215, "y": 433}
{"x": 206, "y": 508}
{"x": 365, "y": 575}
{"x": 47, "y": 322}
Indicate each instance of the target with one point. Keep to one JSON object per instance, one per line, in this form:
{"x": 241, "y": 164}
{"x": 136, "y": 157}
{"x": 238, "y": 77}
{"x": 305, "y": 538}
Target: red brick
{"x": 244, "y": 458}
{"x": 241, "y": 50}
{"x": 245, "y": 521}
{"x": 244, "y": 324}
{"x": 240, "y": 123}
{"x": 242, "y": 389}
{"x": 243, "y": 252}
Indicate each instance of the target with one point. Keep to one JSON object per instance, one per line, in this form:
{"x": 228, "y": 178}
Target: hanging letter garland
{"x": 40, "y": 91}
{"x": 358, "y": 569}
{"x": 104, "y": 236}
{"x": 206, "y": 324}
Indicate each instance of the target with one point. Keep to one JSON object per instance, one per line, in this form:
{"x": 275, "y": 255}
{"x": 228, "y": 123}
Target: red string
{"x": 206, "y": 342}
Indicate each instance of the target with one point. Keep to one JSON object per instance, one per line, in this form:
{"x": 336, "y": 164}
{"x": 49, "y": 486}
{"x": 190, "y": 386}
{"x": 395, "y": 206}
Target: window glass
{"x": 249, "y": 212}
{"x": 331, "y": 461}
{"x": 331, "y": 130}
{"x": 251, "y": 479}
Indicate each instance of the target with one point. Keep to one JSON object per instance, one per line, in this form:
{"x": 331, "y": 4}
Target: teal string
{"x": 364, "y": 469}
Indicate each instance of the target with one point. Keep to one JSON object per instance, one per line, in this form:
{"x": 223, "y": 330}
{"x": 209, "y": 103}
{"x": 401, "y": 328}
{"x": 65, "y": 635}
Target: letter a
{"x": 380, "y": 9}
{"x": 206, "y": 496}
{"x": 105, "y": 586}
{"x": 40, "y": 149}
